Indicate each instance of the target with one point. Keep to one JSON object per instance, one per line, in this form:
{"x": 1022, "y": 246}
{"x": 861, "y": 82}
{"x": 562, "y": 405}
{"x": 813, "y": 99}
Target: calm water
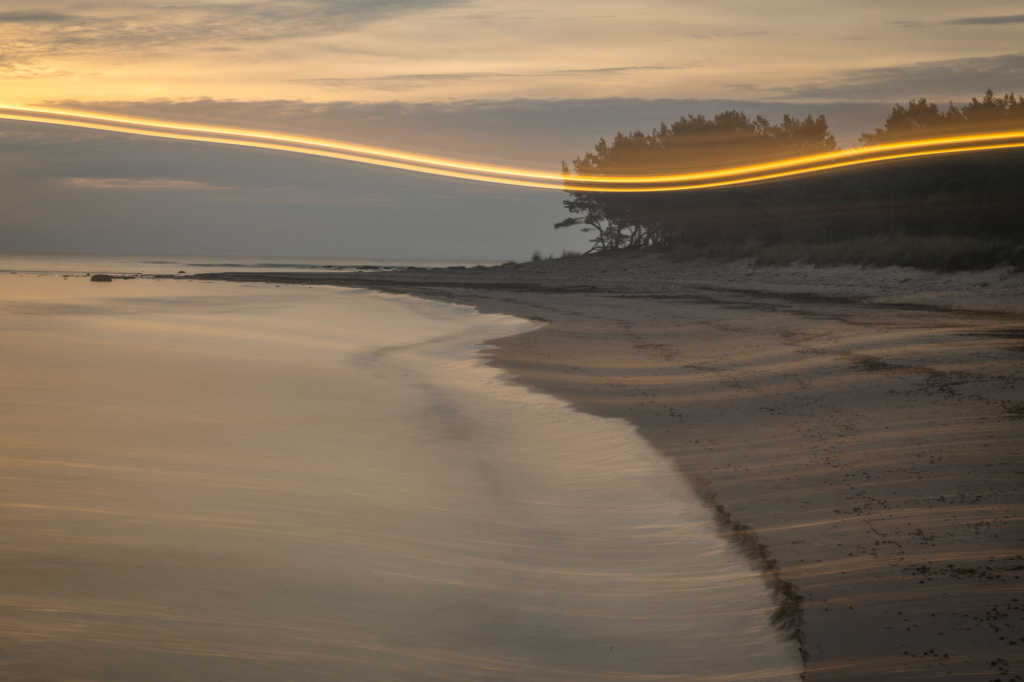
{"x": 214, "y": 481}
{"x": 80, "y": 264}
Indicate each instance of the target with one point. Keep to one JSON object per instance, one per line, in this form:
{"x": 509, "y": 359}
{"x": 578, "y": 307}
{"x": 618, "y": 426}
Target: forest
{"x": 952, "y": 212}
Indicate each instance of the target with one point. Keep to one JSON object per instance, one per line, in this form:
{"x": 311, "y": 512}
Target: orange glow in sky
{"x": 451, "y": 50}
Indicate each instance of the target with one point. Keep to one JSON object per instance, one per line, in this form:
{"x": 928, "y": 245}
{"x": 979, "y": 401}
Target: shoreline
{"x": 819, "y": 412}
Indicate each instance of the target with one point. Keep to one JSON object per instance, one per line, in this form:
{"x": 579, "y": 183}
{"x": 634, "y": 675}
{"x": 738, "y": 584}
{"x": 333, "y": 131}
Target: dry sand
{"x": 859, "y": 430}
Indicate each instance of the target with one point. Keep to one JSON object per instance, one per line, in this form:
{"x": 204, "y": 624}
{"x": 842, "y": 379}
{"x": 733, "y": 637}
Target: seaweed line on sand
{"x": 788, "y": 616}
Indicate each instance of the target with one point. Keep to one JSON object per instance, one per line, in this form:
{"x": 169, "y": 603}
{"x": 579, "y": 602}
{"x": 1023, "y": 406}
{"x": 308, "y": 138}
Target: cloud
{"x": 956, "y": 79}
{"x": 29, "y": 17}
{"x": 988, "y": 21}
{"x": 537, "y": 133}
{"x": 282, "y": 194}
{"x": 965, "y": 21}
{"x": 403, "y": 81}
{"x": 135, "y": 183}
{"x": 127, "y": 28}
{"x": 399, "y": 82}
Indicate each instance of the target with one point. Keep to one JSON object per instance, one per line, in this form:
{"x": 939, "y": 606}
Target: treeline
{"x": 922, "y": 118}
{"x": 895, "y": 213}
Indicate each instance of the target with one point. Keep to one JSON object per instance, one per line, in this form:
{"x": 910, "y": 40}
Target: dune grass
{"x": 940, "y": 252}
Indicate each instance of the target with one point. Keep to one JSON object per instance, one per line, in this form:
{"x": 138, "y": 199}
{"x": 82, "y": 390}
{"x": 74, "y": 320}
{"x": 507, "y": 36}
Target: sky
{"x": 517, "y": 82}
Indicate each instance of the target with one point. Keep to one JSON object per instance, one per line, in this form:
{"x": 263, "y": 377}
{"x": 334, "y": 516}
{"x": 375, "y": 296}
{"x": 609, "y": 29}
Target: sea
{"x": 225, "y": 481}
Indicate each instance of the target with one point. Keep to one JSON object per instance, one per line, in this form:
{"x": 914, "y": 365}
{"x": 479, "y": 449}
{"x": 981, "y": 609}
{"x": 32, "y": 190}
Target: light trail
{"x": 520, "y": 177}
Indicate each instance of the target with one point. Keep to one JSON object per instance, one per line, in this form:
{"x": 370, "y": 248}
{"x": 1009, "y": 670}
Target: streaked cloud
{"x": 31, "y": 17}
{"x": 283, "y": 194}
{"x": 400, "y": 82}
{"x": 538, "y": 133}
{"x": 1000, "y": 20}
{"x": 118, "y": 28}
{"x": 138, "y": 184}
{"x": 453, "y": 50}
{"x": 989, "y": 21}
{"x": 946, "y": 79}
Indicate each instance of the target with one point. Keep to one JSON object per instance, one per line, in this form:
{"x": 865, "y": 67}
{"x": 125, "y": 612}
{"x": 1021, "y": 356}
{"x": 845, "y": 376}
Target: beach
{"x": 856, "y": 431}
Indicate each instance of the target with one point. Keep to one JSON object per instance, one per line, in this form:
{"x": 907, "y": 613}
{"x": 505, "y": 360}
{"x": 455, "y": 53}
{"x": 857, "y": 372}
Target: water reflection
{"x": 217, "y": 481}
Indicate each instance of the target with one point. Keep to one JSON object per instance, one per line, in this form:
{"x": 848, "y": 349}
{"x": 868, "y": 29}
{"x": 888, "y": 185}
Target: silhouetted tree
{"x": 620, "y": 221}
{"x": 921, "y": 117}
{"x": 979, "y": 195}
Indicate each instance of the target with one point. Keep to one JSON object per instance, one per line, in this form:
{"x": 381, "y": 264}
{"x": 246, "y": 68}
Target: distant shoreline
{"x": 818, "y": 411}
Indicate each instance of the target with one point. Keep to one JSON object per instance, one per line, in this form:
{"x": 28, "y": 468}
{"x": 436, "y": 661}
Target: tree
{"x": 692, "y": 143}
{"x": 980, "y": 196}
{"x": 922, "y": 118}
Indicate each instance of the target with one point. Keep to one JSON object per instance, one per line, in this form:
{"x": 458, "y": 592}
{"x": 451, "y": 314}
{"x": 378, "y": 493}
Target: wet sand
{"x": 859, "y": 430}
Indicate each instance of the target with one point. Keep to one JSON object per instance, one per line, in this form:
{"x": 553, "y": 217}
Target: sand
{"x": 858, "y": 430}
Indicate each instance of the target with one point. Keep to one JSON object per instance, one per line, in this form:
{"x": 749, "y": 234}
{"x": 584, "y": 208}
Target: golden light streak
{"x": 520, "y": 177}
